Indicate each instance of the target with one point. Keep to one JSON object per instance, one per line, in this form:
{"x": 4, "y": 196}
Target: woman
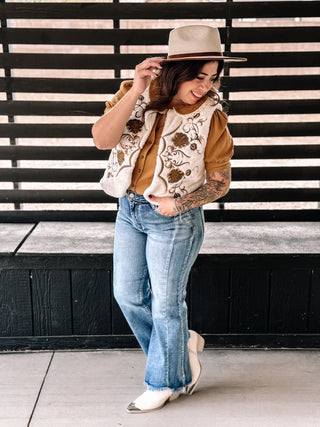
{"x": 170, "y": 155}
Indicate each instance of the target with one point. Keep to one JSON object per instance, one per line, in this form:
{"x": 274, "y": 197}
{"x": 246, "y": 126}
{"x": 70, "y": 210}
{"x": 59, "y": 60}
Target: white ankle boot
{"x": 195, "y": 345}
{"x": 151, "y": 400}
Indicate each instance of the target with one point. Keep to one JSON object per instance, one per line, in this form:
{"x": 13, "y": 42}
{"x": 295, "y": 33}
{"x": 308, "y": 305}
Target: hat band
{"x": 192, "y": 55}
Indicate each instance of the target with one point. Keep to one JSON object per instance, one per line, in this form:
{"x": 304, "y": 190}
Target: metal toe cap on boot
{"x": 132, "y": 408}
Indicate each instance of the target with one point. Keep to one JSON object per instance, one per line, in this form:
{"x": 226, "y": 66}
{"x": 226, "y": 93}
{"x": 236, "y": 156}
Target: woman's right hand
{"x": 108, "y": 129}
{"x": 144, "y": 72}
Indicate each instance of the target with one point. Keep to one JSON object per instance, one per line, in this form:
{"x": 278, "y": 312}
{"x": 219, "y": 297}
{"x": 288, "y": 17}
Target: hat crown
{"x": 192, "y": 39}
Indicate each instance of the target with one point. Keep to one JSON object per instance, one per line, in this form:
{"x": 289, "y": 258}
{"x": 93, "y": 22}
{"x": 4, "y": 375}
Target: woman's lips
{"x": 196, "y": 95}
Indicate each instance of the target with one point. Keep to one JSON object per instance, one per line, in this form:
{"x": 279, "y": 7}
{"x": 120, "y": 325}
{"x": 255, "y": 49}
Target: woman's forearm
{"x": 217, "y": 186}
{"x": 108, "y": 129}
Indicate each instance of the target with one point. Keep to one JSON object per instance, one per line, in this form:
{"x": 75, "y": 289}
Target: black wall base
{"x": 214, "y": 341}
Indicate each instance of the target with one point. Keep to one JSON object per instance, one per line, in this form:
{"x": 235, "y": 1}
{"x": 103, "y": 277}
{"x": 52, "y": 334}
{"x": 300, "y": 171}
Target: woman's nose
{"x": 206, "y": 85}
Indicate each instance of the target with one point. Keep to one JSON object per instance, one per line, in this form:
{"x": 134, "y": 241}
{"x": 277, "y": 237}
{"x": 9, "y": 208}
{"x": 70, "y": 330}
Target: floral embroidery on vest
{"x": 134, "y": 125}
{"x": 175, "y": 155}
{"x": 180, "y": 167}
{"x": 129, "y": 143}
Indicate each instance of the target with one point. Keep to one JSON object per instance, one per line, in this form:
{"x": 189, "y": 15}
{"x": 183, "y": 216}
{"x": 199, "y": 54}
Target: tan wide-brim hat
{"x": 196, "y": 42}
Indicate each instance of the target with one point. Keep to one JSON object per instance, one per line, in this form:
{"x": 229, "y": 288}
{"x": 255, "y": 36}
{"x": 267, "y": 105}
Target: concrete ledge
{"x": 220, "y": 238}
{"x": 70, "y": 238}
{"x": 11, "y": 236}
{"x": 262, "y": 238}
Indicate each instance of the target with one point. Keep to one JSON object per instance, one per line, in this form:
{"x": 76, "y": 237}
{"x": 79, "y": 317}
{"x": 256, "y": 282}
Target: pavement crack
{"x": 40, "y": 390}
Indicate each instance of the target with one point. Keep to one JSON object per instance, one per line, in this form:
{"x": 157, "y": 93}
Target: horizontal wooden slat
{"x": 271, "y": 83}
{"x": 109, "y": 11}
{"x": 239, "y": 130}
{"x": 50, "y": 175}
{"x": 275, "y": 173}
{"x": 234, "y": 215}
{"x": 277, "y": 59}
{"x": 271, "y": 9}
{"x": 273, "y": 195}
{"x": 54, "y": 196}
{"x": 128, "y": 61}
{"x": 94, "y": 86}
{"x": 19, "y": 152}
{"x": 86, "y": 36}
{"x": 259, "y": 130}
{"x": 146, "y": 36}
{"x": 96, "y": 196}
{"x": 51, "y": 108}
{"x": 52, "y": 153}
{"x": 79, "y": 108}
{"x": 279, "y": 106}
{"x": 273, "y": 34}
{"x": 61, "y": 85}
{"x": 246, "y": 215}
{"x": 157, "y": 11}
{"x": 35, "y": 216}
{"x": 19, "y": 130}
{"x": 277, "y": 152}
{"x": 94, "y": 175}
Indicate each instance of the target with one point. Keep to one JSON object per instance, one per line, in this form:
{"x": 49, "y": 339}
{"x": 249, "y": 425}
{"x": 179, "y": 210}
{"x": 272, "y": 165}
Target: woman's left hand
{"x": 166, "y": 205}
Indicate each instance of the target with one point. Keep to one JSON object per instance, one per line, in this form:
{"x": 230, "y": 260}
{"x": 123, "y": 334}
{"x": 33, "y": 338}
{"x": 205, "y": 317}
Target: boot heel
{"x": 200, "y": 344}
{"x": 174, "y": 396}
{"x": 195, "y": 345}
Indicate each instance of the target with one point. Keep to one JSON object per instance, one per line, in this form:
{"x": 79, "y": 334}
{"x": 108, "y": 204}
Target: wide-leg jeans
{"x": 153, "y": 256}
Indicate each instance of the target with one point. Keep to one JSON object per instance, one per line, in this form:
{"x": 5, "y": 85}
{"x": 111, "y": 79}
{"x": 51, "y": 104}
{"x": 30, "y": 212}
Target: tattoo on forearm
{"x": 217, "y": 185}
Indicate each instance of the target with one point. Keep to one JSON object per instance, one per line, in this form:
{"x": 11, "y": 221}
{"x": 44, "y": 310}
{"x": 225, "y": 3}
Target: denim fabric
{"x": 153, "y": 255}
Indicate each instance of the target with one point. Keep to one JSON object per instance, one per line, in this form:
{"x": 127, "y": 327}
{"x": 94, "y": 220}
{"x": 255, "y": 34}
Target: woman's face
{"x": 192, "y": 91}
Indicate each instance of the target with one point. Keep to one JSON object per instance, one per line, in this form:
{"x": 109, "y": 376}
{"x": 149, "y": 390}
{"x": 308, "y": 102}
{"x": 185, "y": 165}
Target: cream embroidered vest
{"x": 180, "y": 167}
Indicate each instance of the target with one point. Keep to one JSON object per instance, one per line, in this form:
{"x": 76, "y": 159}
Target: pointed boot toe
{"x": 131, "y": 408}
{"x": 151, "y": 401}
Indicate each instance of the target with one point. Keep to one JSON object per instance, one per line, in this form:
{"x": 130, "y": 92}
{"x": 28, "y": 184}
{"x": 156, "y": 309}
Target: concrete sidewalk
{"x": 238, "y": 388}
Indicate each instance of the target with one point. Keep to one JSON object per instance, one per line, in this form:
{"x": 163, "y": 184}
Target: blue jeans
{"x": 153, "y": 255}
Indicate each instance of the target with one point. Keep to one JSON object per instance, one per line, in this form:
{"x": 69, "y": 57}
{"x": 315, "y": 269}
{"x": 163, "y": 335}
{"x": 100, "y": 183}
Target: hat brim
{"x": 206, "y": 58}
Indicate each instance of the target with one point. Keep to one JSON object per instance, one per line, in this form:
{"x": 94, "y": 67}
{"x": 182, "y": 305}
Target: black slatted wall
{"x": 49, "y": 168}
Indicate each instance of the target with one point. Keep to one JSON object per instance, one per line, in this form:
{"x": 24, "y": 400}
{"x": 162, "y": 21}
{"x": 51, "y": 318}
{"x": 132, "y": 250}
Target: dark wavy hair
{"x": 176, "y": 72}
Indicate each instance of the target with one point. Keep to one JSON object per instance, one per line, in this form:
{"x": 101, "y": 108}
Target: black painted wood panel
{"x": 314, "y": 320}
{"x": 249, "y": 312}
{"x": 209, "y": 300}
{"x": 91, "y": 307}
{"x": 51, "y": 299}
{"x": 228, "y": 298}
{"x": 289, "y": 300}
{"x": 15, "y": 303}
{"x": 119, "y": 324}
